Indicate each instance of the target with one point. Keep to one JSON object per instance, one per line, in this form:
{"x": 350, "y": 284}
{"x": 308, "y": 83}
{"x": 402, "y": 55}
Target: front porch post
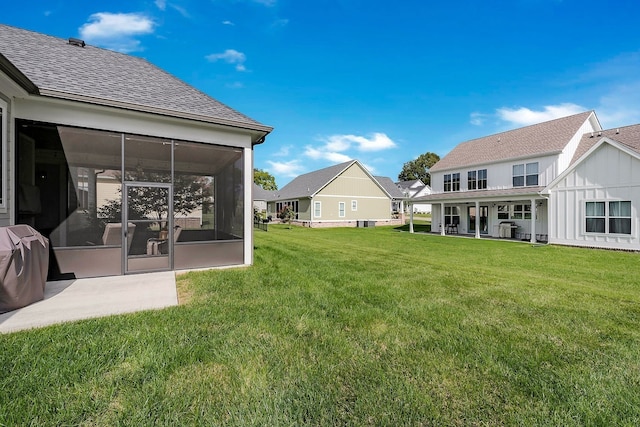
{"x": 410, "y": 217}
{"x": 533, "y": 220}
{"x": 442, "y": 225}
{"x": 477, "y": 219}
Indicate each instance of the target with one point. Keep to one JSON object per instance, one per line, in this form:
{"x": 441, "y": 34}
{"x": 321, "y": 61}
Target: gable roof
{"x": 50, "y": 66}
{"x": 627, "y": 135}
{"x": 391, "y": 188}
{"x": 543, "y": 138}
{"x": 626, "y": 139}
{"x": 309, "y": 184}
{"x": 410, "y": 184}
{"x": 260, "y": 193}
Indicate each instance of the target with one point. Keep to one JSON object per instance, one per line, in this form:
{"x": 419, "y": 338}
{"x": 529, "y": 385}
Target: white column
{"x": 410, "y": 218}
{"x": 442, "y": 231}
{"x": 533, "y": 220}
{"x": 248, "y": 206}
{"x": 477, "y": 219}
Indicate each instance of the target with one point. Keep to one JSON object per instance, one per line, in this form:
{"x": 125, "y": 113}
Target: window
{"x": 521, "y": 212}
{"x": 477, "y": 180}
{"x": 451, "y": 215}
{"x": 447, "y": 182}
{"x": 503, "y": 211}
{"x": 472, "y": 180}
{"x": 341, "y": 209}
{"x": 455, "y": 182}
{"x": 317, "y": 209}
{"x": 620, "y": 217}
{"x": 532, "y": 174}
{"x": 617, "y": 218}
{"x": 595, "y": 217}
{"x": 482, "y": 179}
{"x": 525, "y": 174}
{"x": 293, "y": 204}
{"x": 354, "y": 205}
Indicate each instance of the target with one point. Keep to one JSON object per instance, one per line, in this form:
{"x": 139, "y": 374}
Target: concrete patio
{"x": 69, "y": 300}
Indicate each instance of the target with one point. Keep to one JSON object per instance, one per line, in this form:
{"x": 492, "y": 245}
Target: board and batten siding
{"x": 354, "y": 183}
{"x": 608, "y": 174}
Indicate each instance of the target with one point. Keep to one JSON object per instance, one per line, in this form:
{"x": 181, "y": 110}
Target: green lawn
{"x": 360, "y": 326}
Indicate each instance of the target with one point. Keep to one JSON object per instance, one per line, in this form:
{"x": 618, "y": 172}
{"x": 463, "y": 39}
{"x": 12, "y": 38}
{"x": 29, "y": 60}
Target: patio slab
{"x": 69, "y": 300}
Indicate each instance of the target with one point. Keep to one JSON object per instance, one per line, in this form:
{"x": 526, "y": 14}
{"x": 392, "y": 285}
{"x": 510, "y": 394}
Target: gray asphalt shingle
{"x": 539, "y": 139}
{"x": 105, "y": 77}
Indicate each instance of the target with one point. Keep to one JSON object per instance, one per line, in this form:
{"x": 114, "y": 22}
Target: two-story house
{"x": 494, "y": 185}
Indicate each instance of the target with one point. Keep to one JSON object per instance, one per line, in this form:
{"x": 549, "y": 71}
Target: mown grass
{"x": 353, "y": 327}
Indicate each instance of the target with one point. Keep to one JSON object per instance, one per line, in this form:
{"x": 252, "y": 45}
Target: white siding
{"x": 608, "y": 174}
{"x": 500, "y": 175}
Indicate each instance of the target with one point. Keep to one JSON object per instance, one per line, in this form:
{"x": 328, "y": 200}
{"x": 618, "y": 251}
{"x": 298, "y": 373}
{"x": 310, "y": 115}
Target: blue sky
{"x": 377, "y": 81}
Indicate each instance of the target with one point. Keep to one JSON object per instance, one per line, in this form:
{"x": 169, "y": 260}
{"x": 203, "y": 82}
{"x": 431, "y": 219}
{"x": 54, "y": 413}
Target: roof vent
{"x": 599, "y": 133}
{"x": 617, "y": 131}
{"x": 76, "y": 42}
{"x": 591, "y": 135}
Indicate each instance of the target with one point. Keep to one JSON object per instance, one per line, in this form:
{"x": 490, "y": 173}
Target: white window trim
{"x": 342, "y": 210}
{"x": 354, "y": 205}
{"x": 3, "y": 146}
{"x": 317, "y": 209}
{"x": 607, "y": 216}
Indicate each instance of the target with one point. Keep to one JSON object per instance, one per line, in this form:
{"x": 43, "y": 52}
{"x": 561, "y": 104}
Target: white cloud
{"x": 376, "y": 142}
{"x": 268, "y": 3}
{"x": 524, "y": 116}
{"x": 161, "y": 4}
{"x": 478, "y": 119}
{"x": 283, "y": 151}
{"x": 324, "y": 154}
{"x": 230, "y": 56}
{"x": 228, "y": 23}
{"x": 116, "y": 31}
{"x": 288, "y": 169}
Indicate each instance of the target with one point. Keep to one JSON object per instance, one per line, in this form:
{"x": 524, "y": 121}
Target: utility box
{"x": 24, "y": 263}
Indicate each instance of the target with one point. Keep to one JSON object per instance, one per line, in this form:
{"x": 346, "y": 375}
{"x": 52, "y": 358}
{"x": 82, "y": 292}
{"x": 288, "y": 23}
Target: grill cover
{"x": 24, "y": 262}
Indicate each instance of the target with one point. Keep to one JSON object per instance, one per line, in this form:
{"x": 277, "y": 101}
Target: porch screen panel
{"x": 3, "y": 149}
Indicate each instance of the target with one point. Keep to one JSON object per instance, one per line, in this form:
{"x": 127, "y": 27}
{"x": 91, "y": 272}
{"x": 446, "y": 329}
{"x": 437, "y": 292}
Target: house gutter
{"x": 261, "y": 130}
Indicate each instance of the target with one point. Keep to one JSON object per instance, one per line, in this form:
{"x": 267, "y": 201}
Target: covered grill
{"x": 508, "y": 229}
{"x": 24, "y": 261}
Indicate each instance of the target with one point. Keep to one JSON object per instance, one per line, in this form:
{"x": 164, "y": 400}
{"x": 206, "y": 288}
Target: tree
{"x": 419, "y": 168}
{"x": 286, "y": 214}
{"x": 264, "y": 179}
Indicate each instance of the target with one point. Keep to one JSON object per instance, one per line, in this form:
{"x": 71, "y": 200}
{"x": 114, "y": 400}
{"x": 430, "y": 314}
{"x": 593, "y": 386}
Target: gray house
{"x": 92, "y": 139}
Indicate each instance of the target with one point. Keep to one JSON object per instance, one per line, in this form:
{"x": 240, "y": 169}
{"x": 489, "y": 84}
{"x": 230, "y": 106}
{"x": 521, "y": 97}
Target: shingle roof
{"x": 539, "y": 139}
{"x": 391, "y": 188}
{"x": 480, "y": 194}
{"x": 260, "y": 193}
{"x": 627, "y": 135}
{"x": 409, "y": 184}
{"x": 104, "y": 77}
{"x": 310, "y": 183}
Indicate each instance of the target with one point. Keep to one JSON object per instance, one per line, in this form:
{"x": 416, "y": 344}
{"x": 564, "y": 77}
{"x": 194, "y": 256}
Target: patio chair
{"x": 157, "y": 246}
{"x": 112, "y": 235}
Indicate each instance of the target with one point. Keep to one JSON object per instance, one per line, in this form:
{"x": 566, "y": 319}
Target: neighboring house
{"x": 495, "y": 185}
{"x": 260, "y": 197}
{"x": 414, "y": 189}
{"x": 397, "y": 196}
{"x": 92, "y": 139}
{"x": 343, "y": 195}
